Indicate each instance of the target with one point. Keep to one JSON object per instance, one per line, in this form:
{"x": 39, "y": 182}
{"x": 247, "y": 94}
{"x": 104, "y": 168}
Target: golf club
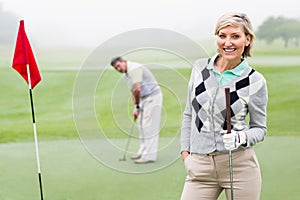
{"x": 228, "y": 119}
{"x": 128, "y": 141}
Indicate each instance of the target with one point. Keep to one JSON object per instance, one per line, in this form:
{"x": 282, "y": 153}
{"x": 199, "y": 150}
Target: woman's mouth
{"x": 229, "y": 50}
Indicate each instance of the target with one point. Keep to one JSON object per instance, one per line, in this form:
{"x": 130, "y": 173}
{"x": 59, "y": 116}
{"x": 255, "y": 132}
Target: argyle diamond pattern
{"x": 221, "y": 112}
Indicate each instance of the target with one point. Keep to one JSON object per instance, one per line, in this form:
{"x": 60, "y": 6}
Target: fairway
{"x": 54, "y": 114}
{"x": 70, "y": 173}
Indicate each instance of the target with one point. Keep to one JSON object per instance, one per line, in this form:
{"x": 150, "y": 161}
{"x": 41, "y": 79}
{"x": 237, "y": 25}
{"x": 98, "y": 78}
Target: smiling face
{"x": 121, "y": 66}
{"x": 231, "y": 42}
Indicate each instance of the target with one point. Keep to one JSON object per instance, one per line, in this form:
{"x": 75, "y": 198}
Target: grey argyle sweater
{"x": 205, "y": 112}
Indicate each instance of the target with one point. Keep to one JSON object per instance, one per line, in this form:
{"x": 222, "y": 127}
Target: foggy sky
{"x": 90, "y": 22}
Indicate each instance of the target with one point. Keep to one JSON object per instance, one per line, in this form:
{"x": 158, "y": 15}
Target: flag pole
{"x": 24, "y": 63}
{"x": 34, "y": 132}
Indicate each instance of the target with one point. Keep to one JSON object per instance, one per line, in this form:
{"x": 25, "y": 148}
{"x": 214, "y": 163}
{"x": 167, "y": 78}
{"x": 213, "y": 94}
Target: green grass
{"x": 70, "y": 173}
{"x": 53, "y": 103}
{"x": 283, "y": 108}
{"x": 53, "y": 106}
{"x": 276, "y": 48}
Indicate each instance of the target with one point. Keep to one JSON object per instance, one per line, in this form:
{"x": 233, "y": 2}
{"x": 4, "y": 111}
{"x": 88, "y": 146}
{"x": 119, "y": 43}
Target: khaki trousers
{"x": 208, "y": 176}
{"x": 149, "y": 126}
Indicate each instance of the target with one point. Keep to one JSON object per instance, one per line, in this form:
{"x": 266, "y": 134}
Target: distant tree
{"x": 280, "y": 27}
{"x": 8, "y": 26}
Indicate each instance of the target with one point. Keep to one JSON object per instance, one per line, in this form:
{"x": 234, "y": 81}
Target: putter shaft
{"x": 128, "y": 141}
{"x": 228, "y": 119}
{"x": 231, "y": 174}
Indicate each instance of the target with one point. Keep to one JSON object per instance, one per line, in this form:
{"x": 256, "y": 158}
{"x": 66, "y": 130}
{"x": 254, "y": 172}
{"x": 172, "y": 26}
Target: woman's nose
{"x": 228, "y": 42}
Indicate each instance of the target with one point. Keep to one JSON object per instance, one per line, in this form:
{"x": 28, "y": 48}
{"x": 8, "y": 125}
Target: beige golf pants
{"x": 208, "y": 175}
{"x": 149, "y": 126}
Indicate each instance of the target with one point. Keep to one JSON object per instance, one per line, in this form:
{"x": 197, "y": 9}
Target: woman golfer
{"x": 204, "y": 146}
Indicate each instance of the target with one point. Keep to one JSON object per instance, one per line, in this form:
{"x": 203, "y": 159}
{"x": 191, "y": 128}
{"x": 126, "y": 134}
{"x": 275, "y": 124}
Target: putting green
{"x": 70, "y": 172}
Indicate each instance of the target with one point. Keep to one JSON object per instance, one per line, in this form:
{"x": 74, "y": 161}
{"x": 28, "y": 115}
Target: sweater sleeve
{"x": 257, "y": 113}
{"x": 187, "y": 118}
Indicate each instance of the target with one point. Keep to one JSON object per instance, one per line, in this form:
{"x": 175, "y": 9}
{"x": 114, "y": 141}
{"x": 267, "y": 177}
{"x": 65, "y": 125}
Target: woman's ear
{"x": 248, "y": 40}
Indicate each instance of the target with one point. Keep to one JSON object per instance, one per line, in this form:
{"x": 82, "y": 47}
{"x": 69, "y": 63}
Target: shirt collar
{"x": 211, "y": 62}
{"x": 238, "y": 70}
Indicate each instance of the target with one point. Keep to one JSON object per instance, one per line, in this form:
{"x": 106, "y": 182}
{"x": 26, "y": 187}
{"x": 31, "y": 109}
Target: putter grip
{"x": 228, "y": 110}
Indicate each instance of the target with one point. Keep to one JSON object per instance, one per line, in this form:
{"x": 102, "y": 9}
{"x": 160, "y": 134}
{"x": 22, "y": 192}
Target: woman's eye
{"x": 235, "y": 36}
{"x": 222, "y": 36}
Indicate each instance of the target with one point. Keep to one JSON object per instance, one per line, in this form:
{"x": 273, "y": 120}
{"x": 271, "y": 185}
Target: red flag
{"x": 23, "y": 56}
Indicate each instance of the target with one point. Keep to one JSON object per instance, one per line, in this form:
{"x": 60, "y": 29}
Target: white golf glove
{"x": 234, "y": 139}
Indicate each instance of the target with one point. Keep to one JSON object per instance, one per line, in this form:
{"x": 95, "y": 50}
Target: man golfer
{"x": 147, "y": 99}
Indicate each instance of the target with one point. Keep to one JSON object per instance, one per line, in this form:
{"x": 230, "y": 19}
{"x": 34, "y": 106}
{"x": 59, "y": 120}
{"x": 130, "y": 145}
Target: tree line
{"x": 279, "y": 27}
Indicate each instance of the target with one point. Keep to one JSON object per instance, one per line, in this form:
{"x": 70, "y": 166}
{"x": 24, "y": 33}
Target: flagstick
{"x": 34, "y": 131}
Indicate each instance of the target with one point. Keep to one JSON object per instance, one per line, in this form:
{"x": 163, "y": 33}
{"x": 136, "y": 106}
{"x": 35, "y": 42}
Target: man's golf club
{"x": 128, "y": 141}
{"x": 228, "y": 119}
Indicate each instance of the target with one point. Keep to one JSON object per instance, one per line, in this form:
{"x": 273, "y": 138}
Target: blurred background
{"x": 64, "y": 34}
{"x": 59, "y": 30}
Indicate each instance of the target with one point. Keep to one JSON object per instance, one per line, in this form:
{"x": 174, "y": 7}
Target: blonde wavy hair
{"x": 237, "y": 19}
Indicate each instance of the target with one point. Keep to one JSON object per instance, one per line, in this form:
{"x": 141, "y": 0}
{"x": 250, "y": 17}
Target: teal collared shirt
{"x": 228, "y": 75}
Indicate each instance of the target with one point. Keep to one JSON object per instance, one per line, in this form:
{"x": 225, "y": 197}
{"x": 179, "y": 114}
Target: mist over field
{"x": 89, "y": 23}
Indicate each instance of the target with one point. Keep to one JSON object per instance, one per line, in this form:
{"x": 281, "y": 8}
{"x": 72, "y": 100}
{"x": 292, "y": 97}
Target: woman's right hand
{"x": 184, "y": 154}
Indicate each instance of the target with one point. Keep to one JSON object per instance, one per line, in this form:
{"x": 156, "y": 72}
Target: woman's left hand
{"x": 184, "y": 154}
{"x": 234, "y": 139}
